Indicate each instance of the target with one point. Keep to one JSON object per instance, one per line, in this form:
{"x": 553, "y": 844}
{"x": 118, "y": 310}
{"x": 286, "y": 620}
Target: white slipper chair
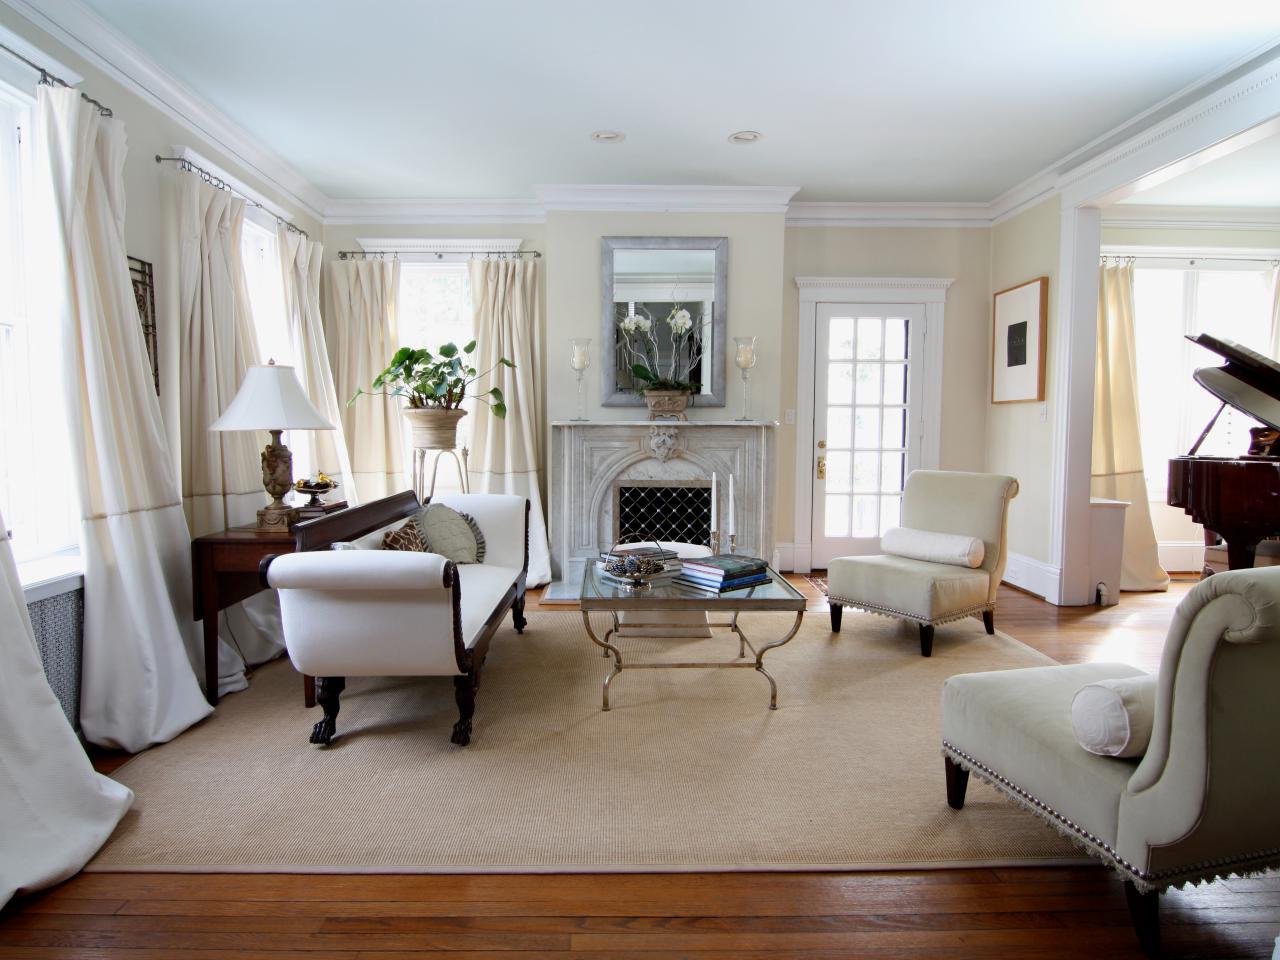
{"x": 927, "y": 593}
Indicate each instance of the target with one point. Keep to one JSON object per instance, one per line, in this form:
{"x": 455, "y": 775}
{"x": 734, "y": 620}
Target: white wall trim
{"x": 405, "y": 212}
{"x": 929, "y": 291}
{"x": 1135, "y": 216}
{"x": 439, "y": 244}
{"x": 658, "y": 198}
{"x": 784, "y": 556}
{"x": 1181, "y": 556}
{"x": 77, "y": 26}
{"x": 1152, "y": 251}
{"x": 1034, "y": 576}
{"x": 36, "y": 55}
{"x": 806, "y": 213}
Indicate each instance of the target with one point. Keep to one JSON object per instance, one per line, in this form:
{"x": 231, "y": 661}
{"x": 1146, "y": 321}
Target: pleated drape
{"x": 221, "y": 472}
{"x": 1117, "y": 434}
{"x": 362, "y": 334}
{"x": 55, "y": 811}
{"x": 325, "y": 450}
{"x": 507, "y": 453}
{"x": 138, "y": 686}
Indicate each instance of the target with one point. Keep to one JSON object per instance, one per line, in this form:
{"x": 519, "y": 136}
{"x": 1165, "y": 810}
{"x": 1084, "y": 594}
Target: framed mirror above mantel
{"x": 655, "y": 278}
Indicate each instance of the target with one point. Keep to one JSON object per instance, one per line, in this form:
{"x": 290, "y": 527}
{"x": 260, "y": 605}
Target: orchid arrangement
{"x": 644, "y": 344}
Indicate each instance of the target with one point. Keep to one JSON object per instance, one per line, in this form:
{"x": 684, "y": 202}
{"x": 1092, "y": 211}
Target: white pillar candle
{"x": 728, "y": 524}
{"x": 713, "y": 502}
{"x": 581, "y": 354}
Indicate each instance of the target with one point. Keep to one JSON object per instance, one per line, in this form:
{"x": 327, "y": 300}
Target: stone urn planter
{"x": 667, "y": 404}
{"x": 433, "y": 428}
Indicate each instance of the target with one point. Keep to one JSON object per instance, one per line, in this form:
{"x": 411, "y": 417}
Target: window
{"x": 1172, "y": 298}
{"x": 37, "y": 494}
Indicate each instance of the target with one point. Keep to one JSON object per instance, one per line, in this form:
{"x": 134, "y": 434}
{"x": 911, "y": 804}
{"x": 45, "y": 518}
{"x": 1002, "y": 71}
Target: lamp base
{"x": 277, "y": 478}
{"x": 277, "y": 516}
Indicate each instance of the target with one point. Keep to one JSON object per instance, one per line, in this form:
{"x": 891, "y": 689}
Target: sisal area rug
{"x": 689, "y": 771}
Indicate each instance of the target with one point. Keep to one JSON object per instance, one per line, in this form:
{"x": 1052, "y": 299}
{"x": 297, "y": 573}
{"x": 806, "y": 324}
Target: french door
{"x": 868, "y": 392}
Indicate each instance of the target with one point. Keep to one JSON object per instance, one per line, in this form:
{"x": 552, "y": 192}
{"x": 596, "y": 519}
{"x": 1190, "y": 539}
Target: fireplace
{"x": 658, "y": 510}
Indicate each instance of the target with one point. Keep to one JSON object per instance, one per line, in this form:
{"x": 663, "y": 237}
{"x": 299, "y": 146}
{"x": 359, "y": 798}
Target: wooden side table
{"x": 224, "y": 570}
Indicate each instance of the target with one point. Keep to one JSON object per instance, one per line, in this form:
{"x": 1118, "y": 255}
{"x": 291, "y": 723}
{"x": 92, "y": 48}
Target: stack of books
{"x": 723, "y": 573}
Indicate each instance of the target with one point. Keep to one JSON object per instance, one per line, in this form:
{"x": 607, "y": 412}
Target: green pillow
{"x": 451, "y": 534}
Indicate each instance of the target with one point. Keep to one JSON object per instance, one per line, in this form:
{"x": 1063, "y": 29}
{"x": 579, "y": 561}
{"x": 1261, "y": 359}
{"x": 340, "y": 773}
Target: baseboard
{"x": 1033, "y": 576}
{"x": 784, "y": 557}
{"x": 1182, "y": 556}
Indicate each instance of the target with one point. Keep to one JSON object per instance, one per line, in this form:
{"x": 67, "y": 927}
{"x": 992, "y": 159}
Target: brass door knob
{"x": 822, "y": 468}
{"x": 822, "y": 444}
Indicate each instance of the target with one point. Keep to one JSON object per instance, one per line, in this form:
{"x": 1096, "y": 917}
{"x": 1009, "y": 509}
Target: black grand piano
{"x": 1237, "y": 498}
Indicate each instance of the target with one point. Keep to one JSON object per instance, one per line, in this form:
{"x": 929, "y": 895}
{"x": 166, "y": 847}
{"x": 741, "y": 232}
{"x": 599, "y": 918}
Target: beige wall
{"x": 573, "y": 300}
{"x": 1020, "y": 435}
{"x": 959, "y": 253}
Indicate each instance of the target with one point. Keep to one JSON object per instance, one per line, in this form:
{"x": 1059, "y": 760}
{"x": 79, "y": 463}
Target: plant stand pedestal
{"x": 420, "y": 455}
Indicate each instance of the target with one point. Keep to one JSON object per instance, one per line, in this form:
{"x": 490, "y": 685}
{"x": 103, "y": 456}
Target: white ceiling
{"x": 1249, "y": 177}
{"x": 920, "y": 100}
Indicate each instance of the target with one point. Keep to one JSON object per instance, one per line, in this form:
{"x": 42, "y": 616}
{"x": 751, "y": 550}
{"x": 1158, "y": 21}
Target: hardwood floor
{"x": 996, "y": 913}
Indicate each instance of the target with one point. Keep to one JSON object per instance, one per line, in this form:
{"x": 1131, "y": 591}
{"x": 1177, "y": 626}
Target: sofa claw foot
{"x": 322, "y": 732}
{"x": 461, "y": 733}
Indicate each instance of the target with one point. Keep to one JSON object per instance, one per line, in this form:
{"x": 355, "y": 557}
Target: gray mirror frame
{"x": 610, "y": 394}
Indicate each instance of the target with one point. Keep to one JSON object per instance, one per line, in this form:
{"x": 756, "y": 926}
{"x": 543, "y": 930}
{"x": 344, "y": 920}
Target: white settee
{"x": 364, "y": 611}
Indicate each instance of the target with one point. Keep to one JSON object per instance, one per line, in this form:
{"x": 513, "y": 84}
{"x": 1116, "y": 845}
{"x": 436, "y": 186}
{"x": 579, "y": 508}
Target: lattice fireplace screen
{"x": 660, "y": 511}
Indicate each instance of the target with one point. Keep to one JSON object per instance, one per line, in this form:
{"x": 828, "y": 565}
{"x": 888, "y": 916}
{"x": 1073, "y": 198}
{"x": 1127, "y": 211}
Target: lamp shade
{"x": 271, "y": 398}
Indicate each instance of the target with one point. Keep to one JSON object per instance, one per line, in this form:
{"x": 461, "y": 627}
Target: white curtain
{"x": 55, "y": 810}
{"x": 324, "y": 450}
{"x": 506, "y": 453}
{"x": 138, "y": 686}
{"x": 1117, "y": 433}
{"x": 221, "y": 472}
{"x": 1275, "y": 311}
{"x": 362, "y": 334}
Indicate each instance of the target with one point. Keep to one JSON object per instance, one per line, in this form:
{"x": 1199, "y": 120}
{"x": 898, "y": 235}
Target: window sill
{"x": 50, "y": 576}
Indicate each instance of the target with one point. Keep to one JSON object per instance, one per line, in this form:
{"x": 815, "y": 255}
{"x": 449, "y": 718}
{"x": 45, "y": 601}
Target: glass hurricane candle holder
{"x": 579, "y": 360}
{"x": 745, "y": 356}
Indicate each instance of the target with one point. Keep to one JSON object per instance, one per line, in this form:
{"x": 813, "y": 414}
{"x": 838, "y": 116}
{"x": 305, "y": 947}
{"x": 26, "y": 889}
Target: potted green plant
{"x": 435, "y": 384}
{"x": 662, "y": 356}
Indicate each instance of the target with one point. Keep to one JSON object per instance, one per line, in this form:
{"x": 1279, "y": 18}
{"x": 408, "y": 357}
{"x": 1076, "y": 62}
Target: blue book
{"x": 721, "y": 586}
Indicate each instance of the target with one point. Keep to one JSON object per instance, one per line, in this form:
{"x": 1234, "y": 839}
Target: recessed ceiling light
{"x": 746, "y": 136}
{"x": 608, "y": 136}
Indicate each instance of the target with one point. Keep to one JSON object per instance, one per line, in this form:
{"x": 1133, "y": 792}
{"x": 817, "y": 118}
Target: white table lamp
{"x": 271, "y": 398}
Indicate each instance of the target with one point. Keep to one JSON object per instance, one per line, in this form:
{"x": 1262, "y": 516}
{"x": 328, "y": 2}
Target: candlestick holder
{"x": 579, "y": 360}
{"x": 715, "y": 543}
{"x": 745, "y": 358}
{"x": 733, "y": 543}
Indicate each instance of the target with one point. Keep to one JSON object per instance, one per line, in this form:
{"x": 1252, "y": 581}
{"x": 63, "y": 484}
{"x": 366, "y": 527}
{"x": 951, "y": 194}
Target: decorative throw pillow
{"x": 954, "y": 548}
{"x": 408, "y": 537}
{"x": 451, "y": 534}
{"x": 1113, "y": 718}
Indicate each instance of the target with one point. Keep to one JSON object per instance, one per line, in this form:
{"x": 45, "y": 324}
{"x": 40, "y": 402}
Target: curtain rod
{"x": 1191, "y": 260}
{"x": 215, "y": 181}
{"x": 50, "y": 79}
{"x": 438, "y": 254}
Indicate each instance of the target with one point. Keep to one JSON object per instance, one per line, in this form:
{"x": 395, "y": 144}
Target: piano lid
{"x": 1248, "y": 381}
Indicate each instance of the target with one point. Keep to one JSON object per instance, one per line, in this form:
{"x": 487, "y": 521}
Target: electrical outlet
{"x": 790, "y": 418}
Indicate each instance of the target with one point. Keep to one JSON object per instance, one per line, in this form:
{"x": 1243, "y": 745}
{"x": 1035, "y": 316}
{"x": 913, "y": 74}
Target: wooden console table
{"x": 224, "y": 570}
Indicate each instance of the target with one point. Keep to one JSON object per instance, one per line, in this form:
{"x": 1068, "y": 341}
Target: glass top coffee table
{"x": 601, "y": 594}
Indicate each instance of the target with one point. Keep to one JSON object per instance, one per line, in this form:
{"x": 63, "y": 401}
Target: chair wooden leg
{"x": 328, "y": 691}
{"x": 957, "y": 783}
{"x": 836, "y": 612}
{"x": 1144, "y": 912}
{"x": 926, "y": 640}
{"x": 989, "y": 621}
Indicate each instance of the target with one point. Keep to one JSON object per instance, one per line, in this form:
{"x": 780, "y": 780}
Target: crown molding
{"x": 808, "y": 213}
{"x": 408, "y": 212}
{"x": 658, "y": 198}
{"x": 1137, "y": 216}
{"x": 75, "y": 25}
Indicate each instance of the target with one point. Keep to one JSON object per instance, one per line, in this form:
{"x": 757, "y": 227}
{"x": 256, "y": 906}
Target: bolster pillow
{"x": 359, "y": 570}
{"x": 1113, "y": 718}
{"x": 953, "y": 548}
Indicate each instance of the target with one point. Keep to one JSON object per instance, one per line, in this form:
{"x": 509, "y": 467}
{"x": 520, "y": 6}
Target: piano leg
{"x": 1240, "y": 553}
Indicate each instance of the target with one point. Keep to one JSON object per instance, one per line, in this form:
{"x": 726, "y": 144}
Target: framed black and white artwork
{"x": 1018, "y": 342}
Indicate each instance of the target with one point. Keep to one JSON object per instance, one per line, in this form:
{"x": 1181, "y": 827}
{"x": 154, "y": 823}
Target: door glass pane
{"x": 840, "y": 383}
{"x": 865, "y": 428}
{"x": 895, "y": 428}
{"x": 895, "y": 383}
{"x": 865, "y": 519}
{"x": 890, "y": 513}
{"x": 870, "y": 345}
{"x": 866, "y": 471}
{"x": 895, "y": 338}
{"x": 891, "y": 465}
{"x": 868, "y": 378}
{"x": 839, "y": 427}
{"x": 838, "y": 466}
{"x": 840, "y": 346}
{"x": 837, "y": 521}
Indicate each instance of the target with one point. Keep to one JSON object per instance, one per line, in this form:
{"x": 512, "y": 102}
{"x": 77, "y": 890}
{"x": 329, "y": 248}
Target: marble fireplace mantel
{"x": 591, "y": 458}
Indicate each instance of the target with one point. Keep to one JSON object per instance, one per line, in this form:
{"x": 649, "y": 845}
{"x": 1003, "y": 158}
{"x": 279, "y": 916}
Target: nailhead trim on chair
{"x": 1144, "y": 881}
{"x": 903, "y": 615}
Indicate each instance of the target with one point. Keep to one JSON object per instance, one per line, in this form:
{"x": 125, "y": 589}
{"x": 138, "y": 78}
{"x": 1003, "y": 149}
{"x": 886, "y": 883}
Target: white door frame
{"x": 1239, "y": 113}
{"x": 930, "y": 291}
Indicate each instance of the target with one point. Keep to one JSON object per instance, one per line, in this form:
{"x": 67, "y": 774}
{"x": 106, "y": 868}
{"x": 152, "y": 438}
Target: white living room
{"x": 702, "y": 480}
